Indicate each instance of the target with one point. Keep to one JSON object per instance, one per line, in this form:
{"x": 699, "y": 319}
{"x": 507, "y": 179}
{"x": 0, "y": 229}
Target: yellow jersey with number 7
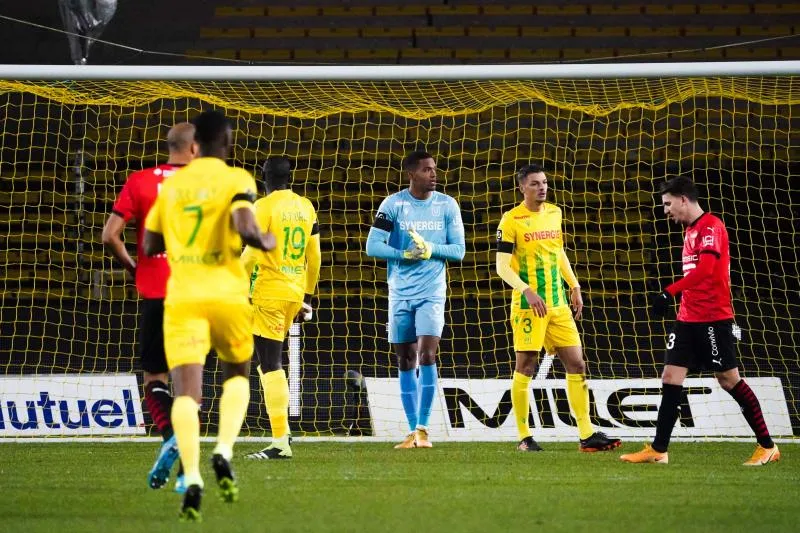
{"x": 193, "y": 213}
{"x": 280, "y": 274}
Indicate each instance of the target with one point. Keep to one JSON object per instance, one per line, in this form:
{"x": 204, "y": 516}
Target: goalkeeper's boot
{"x": 647, "y": 455}
{"x": 409, "y": 442}
{"x": 167, "y": 455}
{"x": 190, "y": 510}
{"x": 421, "y": 439}
{"x": 763, "y": 456}
{"x": 598, "y": 442}
{"x": 228, "y": 491}
{"x": 528, "y": 445}
{"x": 279, "y": 449}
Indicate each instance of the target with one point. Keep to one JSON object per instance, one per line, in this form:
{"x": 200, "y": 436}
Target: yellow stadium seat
{"x": 333, "y": 32}
{"x": 607, "y": 31}
{"x": 319, "y": 54}
{"x": 468, "y": 53}
{"x": 537, "y": 54}
{"x": 400, "y": 31}
{"x": 551, "y": 31}
{"x": 705, "y": 31}
{"x": 293, "y": 11}
{"x": 509, "y": 10}
{"x": 225, "y": 33}
{"x": 223, "y": 53}
{"x": 400, "y": 10}
{"x": 379, "y": 53}
{"x": 660, "y": 31}
{"x": 426, "y": 53}
{"x": 769, "y": 31}
{"x": 457, "y": 9}
{"x": 615, "y": 9}
{"x": 724, "y": 9}
{"x": 279, "y": 32}
{"x": 670, "y": 9}
{"x": 240, "y": 11}
{"x": 561, "y": 10}
{"x": 499, "y": 31}
{"x": 347, "y": 11}
{"x": 265, "y": 54}
{"x": 740, "y": 52}
{"x": 442, "y": 31}
{"x": 784, "y": 8}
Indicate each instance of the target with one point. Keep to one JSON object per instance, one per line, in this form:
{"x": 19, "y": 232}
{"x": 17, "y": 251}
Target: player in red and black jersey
{"x": 151, "y": 273}
{"x": 704, "y": 335}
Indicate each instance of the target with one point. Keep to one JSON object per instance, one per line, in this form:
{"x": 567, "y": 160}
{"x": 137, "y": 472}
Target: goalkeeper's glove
{"x": 419, "y": 248}
{"x": 660, "y": 303}
{"x": 306, "y": 313}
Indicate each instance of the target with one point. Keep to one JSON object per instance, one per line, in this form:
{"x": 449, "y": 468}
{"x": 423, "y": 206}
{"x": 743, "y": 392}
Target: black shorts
{"x": 151, "y": 336}
{"x": 702, "y": 346}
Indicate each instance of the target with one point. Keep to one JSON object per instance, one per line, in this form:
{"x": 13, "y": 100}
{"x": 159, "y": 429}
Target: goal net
{"x": 69, "y": 314}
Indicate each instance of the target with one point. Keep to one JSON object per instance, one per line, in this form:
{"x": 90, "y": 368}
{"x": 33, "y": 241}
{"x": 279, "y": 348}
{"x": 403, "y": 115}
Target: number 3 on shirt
{"x": 296, "y": 238}
{"x": 198, "y": 210}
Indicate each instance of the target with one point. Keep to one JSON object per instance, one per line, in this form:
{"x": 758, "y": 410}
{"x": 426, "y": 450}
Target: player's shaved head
{"x": 276, "y": 172}
{"x": 180, "y": 137}
{"x": 213, "y": 134}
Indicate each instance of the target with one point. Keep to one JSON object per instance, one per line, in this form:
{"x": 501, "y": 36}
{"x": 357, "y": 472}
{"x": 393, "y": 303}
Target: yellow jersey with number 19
{"x": 280, "y": 274}
{"x": 193, "y": 213}
{"x": 535, "y": 241}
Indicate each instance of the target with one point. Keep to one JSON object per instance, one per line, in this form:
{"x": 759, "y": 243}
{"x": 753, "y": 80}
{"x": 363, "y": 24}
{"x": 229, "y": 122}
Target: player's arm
{"x": 243, "y": 215}
{"x": 704, "y": 268}
{"x": 124, "y": 209}
{"x": 569, "y": 276}
{"x": 378, "y": 237}
{"x": 455, "y": 248}
{"x": 112, "y": 239}
{"x": 153, "y": 243}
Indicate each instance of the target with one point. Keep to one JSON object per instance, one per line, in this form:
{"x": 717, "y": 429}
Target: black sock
{"x": 667, "y": 416}
{"x": 751, "y": 409}
{"x": 159, "y": 403}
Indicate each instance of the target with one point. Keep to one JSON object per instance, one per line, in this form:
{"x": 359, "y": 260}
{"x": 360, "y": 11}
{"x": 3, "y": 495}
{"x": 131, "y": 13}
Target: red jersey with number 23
{"x": 134, "y": 202}
{"x": 710, "y": 299}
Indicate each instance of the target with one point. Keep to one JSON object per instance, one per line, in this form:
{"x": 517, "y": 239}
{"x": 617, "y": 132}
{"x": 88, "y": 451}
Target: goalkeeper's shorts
{"x": 409, "y": 319}
{"x": 273, "y": 318}
{"x": 556, "y": 329}
{"x": 191, "y": 328}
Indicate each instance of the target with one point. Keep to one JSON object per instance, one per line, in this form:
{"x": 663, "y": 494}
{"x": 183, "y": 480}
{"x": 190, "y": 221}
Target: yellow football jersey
{"x": 193, "y": 213}
{"x": 535, "y": 241}
{"x": 281, "y": 273}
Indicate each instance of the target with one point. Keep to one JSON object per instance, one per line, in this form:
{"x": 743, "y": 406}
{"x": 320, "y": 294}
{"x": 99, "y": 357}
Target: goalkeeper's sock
{"x": 521, "y": 403}
{"x": 186, "y": 423}
{"x": 276, "y": 398}
{"x": 232, "y": 408}
{"x": 667, "y": 416}
{"x": 408, "y": 395}
{"x": 159, "y": 404}
{"x": 578, "y": 399}
{"x": 751, "y": 409}
{"x": 427, "y": 382}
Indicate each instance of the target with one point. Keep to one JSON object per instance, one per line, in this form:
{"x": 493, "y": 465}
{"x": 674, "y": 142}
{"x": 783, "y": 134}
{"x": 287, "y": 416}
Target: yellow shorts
{"x": 272, "y": 318}
{"x": 192, "y": 328}
{"x": 556, "y": 329}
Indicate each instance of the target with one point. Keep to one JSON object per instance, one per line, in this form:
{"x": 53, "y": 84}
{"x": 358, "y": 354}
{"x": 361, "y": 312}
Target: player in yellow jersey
{"x": 282, "y": 283}
{"x": 531, "y": 258}
{"x": 202, "y": 215}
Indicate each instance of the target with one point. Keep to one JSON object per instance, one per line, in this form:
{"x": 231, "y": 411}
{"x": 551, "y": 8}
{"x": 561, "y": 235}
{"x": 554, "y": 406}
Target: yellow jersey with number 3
{"x": 280, "y": 274}
{"x": 193, "y": 213}
{"x": 535, "y": 241}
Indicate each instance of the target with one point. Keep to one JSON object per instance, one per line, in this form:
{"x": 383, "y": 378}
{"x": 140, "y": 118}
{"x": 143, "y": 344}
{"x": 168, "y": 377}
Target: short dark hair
{"x": 531, "y": 168}
{"x": 209, "y": 131}
{"x": 276, "y": 170}
{"x": 411, "y": 161}
{"x": 680, "y": 186}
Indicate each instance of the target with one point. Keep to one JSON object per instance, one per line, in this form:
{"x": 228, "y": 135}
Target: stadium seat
{"x": 347, "y": 11}
{"x": 223, "y": 12}
{"x": 670, "y": 9}
{"x": 264, "y": 54}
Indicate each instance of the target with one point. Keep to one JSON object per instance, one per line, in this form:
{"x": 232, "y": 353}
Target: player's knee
{"x": 727, "y": 381}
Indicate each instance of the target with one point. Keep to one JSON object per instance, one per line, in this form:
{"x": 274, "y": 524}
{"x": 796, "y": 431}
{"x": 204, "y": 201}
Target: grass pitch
{"x": 363, "y": 487}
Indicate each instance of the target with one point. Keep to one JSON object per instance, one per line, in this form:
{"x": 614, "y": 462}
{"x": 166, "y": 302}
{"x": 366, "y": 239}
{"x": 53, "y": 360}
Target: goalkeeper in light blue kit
{"x": 417, "y": 231}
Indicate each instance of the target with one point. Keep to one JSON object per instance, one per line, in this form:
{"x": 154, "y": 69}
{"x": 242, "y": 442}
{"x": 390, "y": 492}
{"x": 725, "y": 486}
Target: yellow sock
{"x": 232, "y": 408}
{"x": 521, "y": 403}
{"x": 578, "y": 398}
{"x": 186, "y": 424}
{"x": 276, "y": 397}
